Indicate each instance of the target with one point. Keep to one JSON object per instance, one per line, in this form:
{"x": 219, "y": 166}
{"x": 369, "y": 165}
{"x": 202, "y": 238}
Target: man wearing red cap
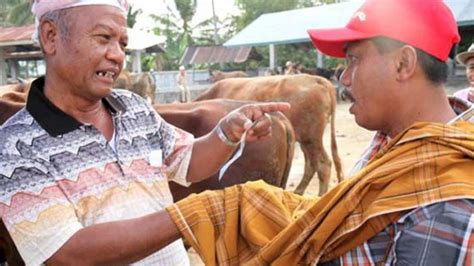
{"x": 411, "y": 203}
{"x": 84, "y": 169}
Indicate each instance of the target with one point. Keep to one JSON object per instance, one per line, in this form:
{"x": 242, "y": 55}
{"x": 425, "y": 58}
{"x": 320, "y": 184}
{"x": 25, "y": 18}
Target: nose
{"x": 116, "y": 53}
{"x": 345, "y": 77}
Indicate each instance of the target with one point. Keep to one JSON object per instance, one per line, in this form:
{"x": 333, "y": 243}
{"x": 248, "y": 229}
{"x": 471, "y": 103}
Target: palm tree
{"x": 132, "y": 16}
{"x": 178, "y": 30}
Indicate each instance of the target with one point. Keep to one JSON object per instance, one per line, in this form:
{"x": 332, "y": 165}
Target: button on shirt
{"x": 58, "y": 175}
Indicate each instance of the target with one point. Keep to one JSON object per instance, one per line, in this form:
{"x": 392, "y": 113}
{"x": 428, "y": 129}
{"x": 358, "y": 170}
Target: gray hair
{"x": 59, "y": 18}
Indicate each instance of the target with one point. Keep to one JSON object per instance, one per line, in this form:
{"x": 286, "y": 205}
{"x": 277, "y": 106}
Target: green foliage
{"x": 180, "y": 34}
{"x": 132, "y": 16}
{"x": 252, "y": 9}
{"x": 178, "y": 31}
{"x": 15, "y": 13}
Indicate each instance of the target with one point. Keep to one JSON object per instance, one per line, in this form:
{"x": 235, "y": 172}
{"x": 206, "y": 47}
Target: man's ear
{"x": 406, "y": 61}
{"x": 49, "y": 36}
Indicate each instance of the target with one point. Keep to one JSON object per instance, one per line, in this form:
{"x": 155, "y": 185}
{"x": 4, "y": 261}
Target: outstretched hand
{"x": 252, "y": 118}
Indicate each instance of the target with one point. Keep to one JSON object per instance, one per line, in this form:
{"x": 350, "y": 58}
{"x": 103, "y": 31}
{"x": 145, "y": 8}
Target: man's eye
{"x": 104, "y": 36}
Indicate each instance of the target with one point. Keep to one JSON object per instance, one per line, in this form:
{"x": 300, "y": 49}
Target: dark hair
{"x": 435, "y": 70}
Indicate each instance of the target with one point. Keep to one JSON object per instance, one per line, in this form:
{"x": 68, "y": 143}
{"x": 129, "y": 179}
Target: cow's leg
{"x": 316, "y": 160}
{"x": 309, "y": 168}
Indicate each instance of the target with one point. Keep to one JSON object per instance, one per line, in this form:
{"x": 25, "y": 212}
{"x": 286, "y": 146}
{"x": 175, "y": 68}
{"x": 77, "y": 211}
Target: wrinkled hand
{"x": 251, "y": 117}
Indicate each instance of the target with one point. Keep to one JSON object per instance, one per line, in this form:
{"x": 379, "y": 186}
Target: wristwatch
{"x": 224, "y": 138}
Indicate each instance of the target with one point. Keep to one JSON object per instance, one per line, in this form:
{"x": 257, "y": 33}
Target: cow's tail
{"x": 290, "y": 147}
{"x": 335, "y": 156}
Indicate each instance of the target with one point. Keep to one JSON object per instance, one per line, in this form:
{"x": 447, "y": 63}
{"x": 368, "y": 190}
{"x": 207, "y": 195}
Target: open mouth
{"x": 107, "y": 74}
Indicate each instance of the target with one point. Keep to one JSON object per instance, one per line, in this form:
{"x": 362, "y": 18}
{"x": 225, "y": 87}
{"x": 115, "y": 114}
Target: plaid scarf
{"x": 256, "y": 224}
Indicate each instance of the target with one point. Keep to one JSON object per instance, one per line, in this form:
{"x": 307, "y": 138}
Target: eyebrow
{"x": 108, "y": 28}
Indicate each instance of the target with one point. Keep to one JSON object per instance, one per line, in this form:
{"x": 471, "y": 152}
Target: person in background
{"x": 84, "y": 169}
{"x": 467, "y": 59}
{"x": 182, "y": 81}
{"x": 291, "y": 68}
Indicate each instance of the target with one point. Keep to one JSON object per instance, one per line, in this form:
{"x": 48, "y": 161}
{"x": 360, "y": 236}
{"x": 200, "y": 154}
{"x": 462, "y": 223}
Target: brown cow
{"x": 142, "y": 84}
{"x": 268, "y": 159}
{"x": 17, "y": 88}
{"x": 217, "y": 75}
{"x": 12, "y": 99}
{"x": 319, "y": 71}
{"x": 8, "y": 108}
{"x": 313, "y": 103}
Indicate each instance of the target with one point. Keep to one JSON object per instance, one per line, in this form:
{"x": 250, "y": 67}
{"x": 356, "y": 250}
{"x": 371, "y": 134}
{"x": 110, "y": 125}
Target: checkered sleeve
{"x": 441, "y": 234}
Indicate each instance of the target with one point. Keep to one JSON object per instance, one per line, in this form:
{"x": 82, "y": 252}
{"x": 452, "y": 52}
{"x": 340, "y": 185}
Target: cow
{"x": 319, "y": 71}
{"x": 8, "y": 108}
{"x": 313, "y": 103}
{"x": 268, "y": 159}
{"x": 16, "y": 88}
{"x": 142, "y": 84}
{"x": 217, "y": 75}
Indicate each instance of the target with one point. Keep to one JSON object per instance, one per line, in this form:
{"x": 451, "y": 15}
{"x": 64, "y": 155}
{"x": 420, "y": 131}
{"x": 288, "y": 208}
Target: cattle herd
{"x": 313, "y": 102}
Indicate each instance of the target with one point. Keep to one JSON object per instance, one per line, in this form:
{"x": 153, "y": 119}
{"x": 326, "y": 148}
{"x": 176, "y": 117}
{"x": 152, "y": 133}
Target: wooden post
{"x": 272, "y": 56}
{"x": 320, "y": 59}
{"x": 3, "y": 68}
{"x": 136, "y": 62}
{"x": 13, "y": 68}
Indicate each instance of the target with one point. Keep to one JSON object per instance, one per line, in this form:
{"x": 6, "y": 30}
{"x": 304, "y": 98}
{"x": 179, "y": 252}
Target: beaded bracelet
{"x": 224, "y": 138}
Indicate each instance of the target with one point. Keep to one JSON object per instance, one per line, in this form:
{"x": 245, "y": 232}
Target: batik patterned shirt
{"x": 58, "y": 175}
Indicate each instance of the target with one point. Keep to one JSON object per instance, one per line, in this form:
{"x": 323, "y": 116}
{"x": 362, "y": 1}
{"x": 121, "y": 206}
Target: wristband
{"x": 224, "y": 138}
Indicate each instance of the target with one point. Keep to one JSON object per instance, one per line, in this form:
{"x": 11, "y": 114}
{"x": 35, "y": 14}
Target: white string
{"x": 466, "y": 115}
{"x": 235, "y": 157}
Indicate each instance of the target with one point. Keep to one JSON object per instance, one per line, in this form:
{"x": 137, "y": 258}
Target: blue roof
{"x": 290, "y": 26}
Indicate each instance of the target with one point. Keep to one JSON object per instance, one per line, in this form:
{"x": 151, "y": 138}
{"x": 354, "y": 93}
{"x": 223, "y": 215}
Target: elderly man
{"x": 411, "y": 204}
{"x": 84, "y": 169}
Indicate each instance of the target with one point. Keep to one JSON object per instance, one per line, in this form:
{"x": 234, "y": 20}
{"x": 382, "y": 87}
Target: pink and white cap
{"x": 41, "y": 7}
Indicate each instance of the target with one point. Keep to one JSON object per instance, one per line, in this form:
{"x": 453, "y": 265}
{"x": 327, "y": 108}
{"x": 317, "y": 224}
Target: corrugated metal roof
{"x": 138, "y": 40}
{"x": 214, "y": 54}
{"x": 16, "y": 35}
{"x": 290, "y": 26}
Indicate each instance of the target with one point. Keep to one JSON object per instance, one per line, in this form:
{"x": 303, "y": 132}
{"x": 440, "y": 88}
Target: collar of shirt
{"x": 51, "y": 118}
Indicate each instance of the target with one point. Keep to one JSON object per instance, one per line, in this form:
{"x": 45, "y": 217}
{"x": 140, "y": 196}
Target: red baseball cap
{"x": 427, "y": 25}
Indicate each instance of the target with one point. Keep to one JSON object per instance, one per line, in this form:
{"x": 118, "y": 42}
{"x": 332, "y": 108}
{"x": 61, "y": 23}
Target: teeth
{"x": 106, "y": 74}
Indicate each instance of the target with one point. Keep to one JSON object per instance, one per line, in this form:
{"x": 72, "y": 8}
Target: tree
{"x": 132, "y": 16}
{"x": 252, "y": 9}
{"x": 15, "y": 13}
{"x": 299, "y": 53}
{"x": 179, "y": 31}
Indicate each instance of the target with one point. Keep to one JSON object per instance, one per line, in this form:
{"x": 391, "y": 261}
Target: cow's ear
{"x": 49, "y": 36}
{"x": 406, "y": 62}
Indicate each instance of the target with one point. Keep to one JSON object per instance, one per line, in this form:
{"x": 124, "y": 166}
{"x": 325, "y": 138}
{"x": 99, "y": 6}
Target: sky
{"x": 204, "y": 10}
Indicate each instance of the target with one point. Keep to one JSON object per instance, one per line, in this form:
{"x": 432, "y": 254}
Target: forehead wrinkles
{"x": 90, "y": 16}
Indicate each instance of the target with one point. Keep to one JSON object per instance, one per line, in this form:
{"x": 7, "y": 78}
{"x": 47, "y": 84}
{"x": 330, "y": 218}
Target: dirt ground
{"x": 351, "y": 142}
